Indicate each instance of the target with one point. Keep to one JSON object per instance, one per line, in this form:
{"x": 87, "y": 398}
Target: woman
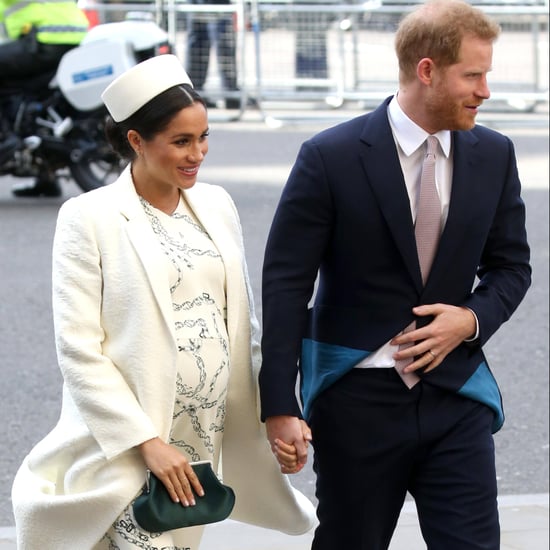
{"x": 156, "y": 339}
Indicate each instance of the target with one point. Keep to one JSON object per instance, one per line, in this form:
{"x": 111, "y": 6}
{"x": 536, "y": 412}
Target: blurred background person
{"x": 311, "y": 45}
{"x": 204, "y": 31}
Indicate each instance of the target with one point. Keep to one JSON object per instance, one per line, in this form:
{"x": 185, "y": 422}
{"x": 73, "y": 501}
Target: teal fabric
{"x": 482, "y": 387}
{"x": 321, "y": 365}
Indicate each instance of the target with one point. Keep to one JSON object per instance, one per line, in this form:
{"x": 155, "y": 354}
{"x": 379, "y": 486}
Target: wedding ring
{"x": 432, "y": 353}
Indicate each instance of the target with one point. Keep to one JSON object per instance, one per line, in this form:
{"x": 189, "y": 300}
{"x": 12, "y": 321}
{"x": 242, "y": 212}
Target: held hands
{"x": 289, "y": 438}
{"x": 450, "y": 326}
{"x": 173, "y": 469}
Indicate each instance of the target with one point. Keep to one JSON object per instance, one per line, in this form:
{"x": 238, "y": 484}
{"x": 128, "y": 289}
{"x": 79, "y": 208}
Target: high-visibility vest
{"x": 55, "y": 21}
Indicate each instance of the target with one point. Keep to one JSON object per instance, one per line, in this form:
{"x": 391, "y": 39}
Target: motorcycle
{"x": 52, "y": 125}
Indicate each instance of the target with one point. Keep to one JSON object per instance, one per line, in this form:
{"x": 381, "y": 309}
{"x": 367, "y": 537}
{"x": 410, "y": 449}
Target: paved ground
{"x": 524, "y": 521}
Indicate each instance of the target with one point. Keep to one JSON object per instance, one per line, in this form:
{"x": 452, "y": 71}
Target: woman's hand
{"x": 287, "y": 457}
{"x": 173, "y": 469}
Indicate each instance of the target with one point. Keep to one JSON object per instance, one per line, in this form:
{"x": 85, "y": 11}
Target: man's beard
{"x": 448, "y": 114}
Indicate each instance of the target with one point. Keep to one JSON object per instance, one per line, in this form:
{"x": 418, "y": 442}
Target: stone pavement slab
{"x": 524, "y": 522}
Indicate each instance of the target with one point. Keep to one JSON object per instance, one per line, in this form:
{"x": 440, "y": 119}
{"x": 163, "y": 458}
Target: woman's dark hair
{"x": 150, "y": 119}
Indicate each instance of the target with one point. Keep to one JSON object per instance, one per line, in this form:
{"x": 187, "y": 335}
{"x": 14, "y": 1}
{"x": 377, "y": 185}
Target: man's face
{"x": 458, "y": 90}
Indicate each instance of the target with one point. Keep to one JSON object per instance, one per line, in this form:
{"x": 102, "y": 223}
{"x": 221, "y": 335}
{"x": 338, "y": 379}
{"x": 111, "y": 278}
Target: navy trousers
{"x": 375, "y": 440}
{"x": 202, "y": 34}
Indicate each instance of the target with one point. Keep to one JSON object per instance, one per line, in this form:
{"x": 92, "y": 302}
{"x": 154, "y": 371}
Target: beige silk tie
{"x": 427, "y": 230}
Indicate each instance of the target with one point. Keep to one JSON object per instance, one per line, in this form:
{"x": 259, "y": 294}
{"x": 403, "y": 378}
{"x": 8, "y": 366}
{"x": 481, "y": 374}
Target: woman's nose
{"x": 198, "y": 152}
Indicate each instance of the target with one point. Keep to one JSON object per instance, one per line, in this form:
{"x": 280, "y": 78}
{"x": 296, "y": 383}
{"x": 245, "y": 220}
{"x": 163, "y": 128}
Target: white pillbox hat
{"x": 144, "y": 81}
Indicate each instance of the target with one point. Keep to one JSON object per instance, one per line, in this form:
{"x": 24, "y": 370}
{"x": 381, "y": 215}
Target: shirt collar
{"x": 409, "y": 135}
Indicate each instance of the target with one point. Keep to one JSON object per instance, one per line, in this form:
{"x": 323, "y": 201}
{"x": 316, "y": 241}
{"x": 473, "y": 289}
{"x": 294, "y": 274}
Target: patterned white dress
{"x": 196, "y": 276}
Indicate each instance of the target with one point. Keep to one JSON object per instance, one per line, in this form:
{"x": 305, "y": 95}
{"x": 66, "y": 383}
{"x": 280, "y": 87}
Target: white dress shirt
{"x": 409, "y": 140}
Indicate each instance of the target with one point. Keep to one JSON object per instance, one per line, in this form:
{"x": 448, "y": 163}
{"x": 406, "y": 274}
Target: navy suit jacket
{"x": 345, "y": 216}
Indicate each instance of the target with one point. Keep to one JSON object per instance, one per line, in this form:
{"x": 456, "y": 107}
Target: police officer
{"x": 39, "y": 32}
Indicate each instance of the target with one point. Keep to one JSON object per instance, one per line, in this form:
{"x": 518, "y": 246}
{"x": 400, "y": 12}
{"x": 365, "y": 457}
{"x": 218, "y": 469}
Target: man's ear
{"x": 424, "y": 70}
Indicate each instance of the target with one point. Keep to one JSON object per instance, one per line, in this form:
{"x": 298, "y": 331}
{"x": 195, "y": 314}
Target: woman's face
{"x": 173, "y": 157}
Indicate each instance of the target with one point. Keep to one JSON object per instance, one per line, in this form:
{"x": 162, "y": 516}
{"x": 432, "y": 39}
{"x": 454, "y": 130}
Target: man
{"x": 39, "y": 34}
{"x": 311, "y": 44}
{"x": 348, "y": 211}
{"x": 204, "y": 29}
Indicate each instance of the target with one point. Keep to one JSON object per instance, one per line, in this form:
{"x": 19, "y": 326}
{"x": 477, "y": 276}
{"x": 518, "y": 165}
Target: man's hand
{"x": 450, "y": 326}
{"x": 289, "y": 438}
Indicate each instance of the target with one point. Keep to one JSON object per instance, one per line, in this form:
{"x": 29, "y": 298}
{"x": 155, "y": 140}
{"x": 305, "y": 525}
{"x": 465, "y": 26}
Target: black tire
{"x": 91, "y": 174}
{"x": 93, "y": 163}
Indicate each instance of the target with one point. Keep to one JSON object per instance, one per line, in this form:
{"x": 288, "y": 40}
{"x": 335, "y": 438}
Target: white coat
{"x": 116, "y": 349}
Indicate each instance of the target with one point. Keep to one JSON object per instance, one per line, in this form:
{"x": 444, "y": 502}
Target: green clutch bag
{"x": 156, "y": 512}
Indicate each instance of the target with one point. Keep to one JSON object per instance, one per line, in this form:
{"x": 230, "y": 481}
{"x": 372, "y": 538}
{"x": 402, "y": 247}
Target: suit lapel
{"x": 145, "y": 244}
{"x": 384, "y": 175}
{"x": 465, "y": 199}
{"x": 144, "y": 241}
{"x": 213, "y": 213}
{"x": 213, "y": 221}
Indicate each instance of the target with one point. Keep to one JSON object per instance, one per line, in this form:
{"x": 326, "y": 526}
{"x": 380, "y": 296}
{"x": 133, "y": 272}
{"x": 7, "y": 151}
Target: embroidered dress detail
{"x": 196, "y": 276}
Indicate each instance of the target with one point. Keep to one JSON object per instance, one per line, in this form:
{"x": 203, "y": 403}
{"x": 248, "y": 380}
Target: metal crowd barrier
{"x": 310, "y": 55}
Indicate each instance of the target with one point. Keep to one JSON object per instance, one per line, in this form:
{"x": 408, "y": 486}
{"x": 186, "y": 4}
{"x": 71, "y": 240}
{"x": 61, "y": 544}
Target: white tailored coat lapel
{"x": 216, "y": 223}
{"x": 244, "y": 435}
{"x": 144, "y": 242}
{"x": 146, "y": 246}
